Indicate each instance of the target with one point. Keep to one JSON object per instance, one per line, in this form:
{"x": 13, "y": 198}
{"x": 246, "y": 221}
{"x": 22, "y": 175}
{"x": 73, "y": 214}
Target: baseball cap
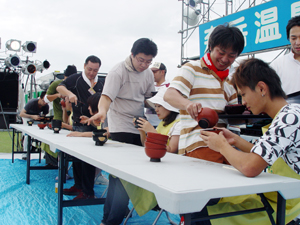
{"x": 158, "y": 66}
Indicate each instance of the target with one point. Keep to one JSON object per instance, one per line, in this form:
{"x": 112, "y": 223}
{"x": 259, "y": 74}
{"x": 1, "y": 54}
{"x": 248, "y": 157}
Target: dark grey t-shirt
{"x": 32, "y": 107}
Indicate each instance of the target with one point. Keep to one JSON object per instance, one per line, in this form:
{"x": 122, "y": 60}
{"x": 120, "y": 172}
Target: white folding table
{"x": 182, "y": 185}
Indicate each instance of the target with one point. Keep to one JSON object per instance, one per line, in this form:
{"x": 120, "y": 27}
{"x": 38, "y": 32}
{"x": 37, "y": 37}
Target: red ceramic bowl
{"x": 158, "y": 136}
{"x": 154, "y": 145}
{"x": 49, "y": 125}
{"x": 155, "y": 154}
{"x": 42, "y": 125}
{"x": 207, "y": 118}
{"x": 154, "y": 141}
{"x": 63, "y": 103}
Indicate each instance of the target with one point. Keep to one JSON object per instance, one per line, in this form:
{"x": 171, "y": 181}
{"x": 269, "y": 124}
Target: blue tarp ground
{"x": 23, "y": 204}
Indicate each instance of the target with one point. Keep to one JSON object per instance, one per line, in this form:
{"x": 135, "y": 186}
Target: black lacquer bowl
{"x": 99, "y": 138}
{"x": 56, "y": 126}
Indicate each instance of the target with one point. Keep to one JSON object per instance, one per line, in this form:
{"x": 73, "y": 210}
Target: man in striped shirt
{"x": 204, "y": 83}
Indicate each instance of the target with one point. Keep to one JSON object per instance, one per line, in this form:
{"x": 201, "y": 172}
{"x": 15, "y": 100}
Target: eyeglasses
{"x": 141, "y": 61}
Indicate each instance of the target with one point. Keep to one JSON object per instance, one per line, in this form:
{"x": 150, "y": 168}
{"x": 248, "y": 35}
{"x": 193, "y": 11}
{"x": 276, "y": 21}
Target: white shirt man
{"x": 288, "y": 66}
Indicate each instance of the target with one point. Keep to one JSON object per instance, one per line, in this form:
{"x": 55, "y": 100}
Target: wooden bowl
{"x": 63, "y": 103}
{"x": 155, "y": 154}
{"x": 56, "y": 126}
{"x": 207, "y": 118}
{"x": 154, "y": 145}
{"x": 156, "y": 141}
{"x": 158, "y": 136}
{"x": 30, "y": 122}
{"x": 42, "y": 125}
{"x": 99, "y": 138}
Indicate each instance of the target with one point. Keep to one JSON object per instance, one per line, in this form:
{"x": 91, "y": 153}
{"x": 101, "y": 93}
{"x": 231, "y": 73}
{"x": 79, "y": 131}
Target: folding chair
{"x": 156, "y": 208}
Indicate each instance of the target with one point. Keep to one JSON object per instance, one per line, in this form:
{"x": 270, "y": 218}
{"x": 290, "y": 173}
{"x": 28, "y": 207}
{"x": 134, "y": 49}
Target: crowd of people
{"x": 133, "y": 90}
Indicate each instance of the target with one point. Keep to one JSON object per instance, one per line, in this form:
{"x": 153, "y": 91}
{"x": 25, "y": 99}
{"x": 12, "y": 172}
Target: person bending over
{"x": 261, "y": 91}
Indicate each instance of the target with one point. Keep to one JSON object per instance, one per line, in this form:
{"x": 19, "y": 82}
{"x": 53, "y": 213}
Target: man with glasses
{"x": 78, "y": 88}
{"x": 126, "y": 87}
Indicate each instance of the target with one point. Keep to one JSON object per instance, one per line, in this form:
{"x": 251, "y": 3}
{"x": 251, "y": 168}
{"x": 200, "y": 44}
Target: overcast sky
{"x": 68, "y": 31}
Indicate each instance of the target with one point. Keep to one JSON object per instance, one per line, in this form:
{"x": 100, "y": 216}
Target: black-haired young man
{"x": 203, "y": 83}
{"x": 35, "y": 107}
{"x": 127, "y": 85}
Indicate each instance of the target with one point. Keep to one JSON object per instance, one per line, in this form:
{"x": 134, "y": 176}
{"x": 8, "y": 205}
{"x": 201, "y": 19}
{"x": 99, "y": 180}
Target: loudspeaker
{"x": 9, "y": 90}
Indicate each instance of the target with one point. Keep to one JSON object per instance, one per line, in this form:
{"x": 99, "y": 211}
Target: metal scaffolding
{"x": 209, "y": 10}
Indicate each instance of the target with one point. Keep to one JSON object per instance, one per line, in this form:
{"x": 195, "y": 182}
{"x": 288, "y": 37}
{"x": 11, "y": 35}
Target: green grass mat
{"x": 5, "y": 142}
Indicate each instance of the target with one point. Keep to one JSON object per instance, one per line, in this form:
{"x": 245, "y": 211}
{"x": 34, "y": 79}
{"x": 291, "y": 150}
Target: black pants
{"x": 84, "y": 173}
{"x": 50, "y": 159}
{"x": 128, "y": 138}
{"x": 116, "y": 203}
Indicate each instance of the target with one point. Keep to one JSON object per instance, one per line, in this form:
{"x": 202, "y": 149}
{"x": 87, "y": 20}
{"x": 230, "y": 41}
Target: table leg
{"x": 61, "y": 169}
{"x": 187, "y": 219}
{"x": 280, "y": 216}
{"x": 28, "y": 160}
{"x": 13, "y": 146}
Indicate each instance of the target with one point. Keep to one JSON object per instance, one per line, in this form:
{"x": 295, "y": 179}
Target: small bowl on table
{"x": 156, "y": 146}
{"x": 99, "y": 137}
{"x": 56, "y": 126}
{"x": 155, "y": 154}
{"x": 42, "y": 125}
{"x": 30, "y": 122}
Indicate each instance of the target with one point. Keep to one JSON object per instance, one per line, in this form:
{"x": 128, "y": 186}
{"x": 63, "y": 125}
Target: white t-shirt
{"x": 176, "y": 128}
{"x": 288, "y": 69}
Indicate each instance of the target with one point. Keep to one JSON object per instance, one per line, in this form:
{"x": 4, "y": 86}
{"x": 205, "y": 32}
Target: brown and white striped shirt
{"x": 198, "y": 83}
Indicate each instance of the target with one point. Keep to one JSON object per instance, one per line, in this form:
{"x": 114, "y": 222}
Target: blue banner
{"x": 263, "y": 26}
